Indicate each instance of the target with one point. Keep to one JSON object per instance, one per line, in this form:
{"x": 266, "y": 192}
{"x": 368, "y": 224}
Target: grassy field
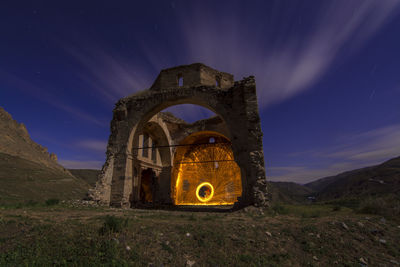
{"x": 284, "y": 235}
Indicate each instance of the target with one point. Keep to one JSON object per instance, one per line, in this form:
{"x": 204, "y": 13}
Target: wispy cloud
{"x": 94, "y": 145}
{"x": 108, "y": 74}
{"x": 47, "y": 97}
{"x": 79, "y": 164}
{"x": 190, "y": 113}
{"x": 353, "y": 151}
{"x": 292, "y": 63}
{"x": 371, "y": 146}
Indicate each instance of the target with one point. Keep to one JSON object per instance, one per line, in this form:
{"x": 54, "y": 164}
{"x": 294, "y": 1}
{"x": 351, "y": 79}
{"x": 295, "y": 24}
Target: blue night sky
{"x": 327, "y": 72}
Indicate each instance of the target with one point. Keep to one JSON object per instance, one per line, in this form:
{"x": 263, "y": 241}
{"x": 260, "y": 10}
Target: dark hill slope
{"x": 22, "y": 180}
{"x": 28, "y": 171}
{"x": 289, "y": 192}
{"x": 88, "y": 175}
{"x": 377, "y": 180}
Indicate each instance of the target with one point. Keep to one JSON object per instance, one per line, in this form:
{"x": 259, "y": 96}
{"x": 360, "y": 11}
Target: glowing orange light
{"x": 205, "y": 173}
{"x": 208, "y": 196}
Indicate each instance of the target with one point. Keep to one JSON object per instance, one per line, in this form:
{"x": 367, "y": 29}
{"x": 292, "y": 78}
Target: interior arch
{"x": 204, "y": 171}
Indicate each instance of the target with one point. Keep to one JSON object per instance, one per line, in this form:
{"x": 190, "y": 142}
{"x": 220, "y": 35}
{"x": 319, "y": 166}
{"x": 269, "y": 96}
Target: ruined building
{"x": 153, "y": 157}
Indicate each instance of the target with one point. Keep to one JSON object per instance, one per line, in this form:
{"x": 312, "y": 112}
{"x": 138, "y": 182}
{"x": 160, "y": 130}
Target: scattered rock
{"x": 128, "y": 248}
{"x": 360, "y": 224}
{"x": 190, "y": 263}
{"x": 315, "y": 258}
{"x": 382, "y": 241}
{"x": 167, "y": 243}
{"x": 363, "y": 261}
{"x": 188, "y": 234}
{"x": 318, "y": 236}
{"x": 394, "y": 262}
{"x": 268, "y": 233}
{"x": 345, "y": 226}
{"x": 375, "y": 231}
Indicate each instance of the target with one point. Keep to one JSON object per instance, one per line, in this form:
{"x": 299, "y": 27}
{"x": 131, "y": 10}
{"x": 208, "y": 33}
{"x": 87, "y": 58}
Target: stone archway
{"x": 235, "y": 103}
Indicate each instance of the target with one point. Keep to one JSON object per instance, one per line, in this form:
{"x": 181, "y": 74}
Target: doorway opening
{"x": 147, "y": 186}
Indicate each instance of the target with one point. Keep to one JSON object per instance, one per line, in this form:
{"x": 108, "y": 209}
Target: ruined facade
{"x": 147, "y": 148}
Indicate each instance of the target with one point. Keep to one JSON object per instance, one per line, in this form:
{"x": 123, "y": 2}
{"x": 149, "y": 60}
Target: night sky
{"x": 327, "y": 72}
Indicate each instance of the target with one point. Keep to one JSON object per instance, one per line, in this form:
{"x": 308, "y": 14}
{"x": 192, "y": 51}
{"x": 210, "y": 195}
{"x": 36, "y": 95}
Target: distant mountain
{"x": 289, "y": 192}
{"x": 28, "y": 172}
{"x": 372, "y": 181}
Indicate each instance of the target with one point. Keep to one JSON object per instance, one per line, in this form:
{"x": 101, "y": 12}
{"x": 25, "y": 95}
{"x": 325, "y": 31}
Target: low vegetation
{"x": 284, "y": 235}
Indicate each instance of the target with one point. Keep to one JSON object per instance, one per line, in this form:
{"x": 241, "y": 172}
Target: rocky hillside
{"x": 28, "y": 173}
{"x": 15, "y": 141}
{"x": 372, "y": 181}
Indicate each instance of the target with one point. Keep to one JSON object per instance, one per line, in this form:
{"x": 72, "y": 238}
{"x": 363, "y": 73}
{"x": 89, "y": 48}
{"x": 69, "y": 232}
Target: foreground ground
{"x": 308, "y": 235}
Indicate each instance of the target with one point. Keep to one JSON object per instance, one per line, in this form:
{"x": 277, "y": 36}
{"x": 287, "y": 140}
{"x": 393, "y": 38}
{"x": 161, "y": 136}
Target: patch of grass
{"x": 245, "y": 258}
{"x": 52, "y": 201}
{"x": 192, "y": 217}
{"x": 167, "y": 248}
{"x": 279, "y": 209}
{"x": 113, "y": 224}
{"x": 336, "y": 208}
{"x": 388, "y": 206}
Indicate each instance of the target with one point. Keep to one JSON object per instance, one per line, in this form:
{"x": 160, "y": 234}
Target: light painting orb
{"x": 204, "y": 192}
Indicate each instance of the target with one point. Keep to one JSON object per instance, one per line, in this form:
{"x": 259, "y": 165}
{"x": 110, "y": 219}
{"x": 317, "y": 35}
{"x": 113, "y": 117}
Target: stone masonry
{"x": 234, "y": 102}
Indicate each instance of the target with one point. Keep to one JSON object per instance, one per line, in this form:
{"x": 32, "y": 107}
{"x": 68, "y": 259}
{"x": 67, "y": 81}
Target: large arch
{"x": 235, "y": 103}
{"x": 160, "y": 165}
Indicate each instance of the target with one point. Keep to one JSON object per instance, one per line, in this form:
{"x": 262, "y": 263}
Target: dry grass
{"x": 58, "y": 235}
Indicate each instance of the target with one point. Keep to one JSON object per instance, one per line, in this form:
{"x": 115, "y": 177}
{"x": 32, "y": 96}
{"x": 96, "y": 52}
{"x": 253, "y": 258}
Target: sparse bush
{"x": 336, "y": 208}
{"x": 52, "y": 201}
{"x": 279, "y": 209}
{"x": 311, "y": 214}
{"x": 113, "y": 224}
{"x": 386, "y": 206}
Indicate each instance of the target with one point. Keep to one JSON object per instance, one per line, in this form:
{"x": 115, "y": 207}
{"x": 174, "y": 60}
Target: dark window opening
{"x": 218, "y": 81}
{"x": 145, "y": 145}
{"x": 180, "y": 80}
{"x": 154, "y": 152}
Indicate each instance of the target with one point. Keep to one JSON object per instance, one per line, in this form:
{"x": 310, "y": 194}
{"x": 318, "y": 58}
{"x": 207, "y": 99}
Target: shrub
{"x": 386, "y": 206}
{"x": 52, "y": 201}
{"x": 336, "y": 208}
{"x": 113, "y": 224}
{"x": 280, "y": 209}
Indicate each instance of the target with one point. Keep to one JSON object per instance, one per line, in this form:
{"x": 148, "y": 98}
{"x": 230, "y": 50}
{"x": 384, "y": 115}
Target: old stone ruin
{"x": 155, "y": 158}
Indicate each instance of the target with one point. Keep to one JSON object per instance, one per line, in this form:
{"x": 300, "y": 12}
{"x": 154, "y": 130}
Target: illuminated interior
{"x": 205, "y": 172}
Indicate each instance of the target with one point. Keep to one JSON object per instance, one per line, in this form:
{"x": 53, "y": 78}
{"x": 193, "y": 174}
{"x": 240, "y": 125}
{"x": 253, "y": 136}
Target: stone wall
{"x": 192, "y": 75}
{"x": 236, "y": 106}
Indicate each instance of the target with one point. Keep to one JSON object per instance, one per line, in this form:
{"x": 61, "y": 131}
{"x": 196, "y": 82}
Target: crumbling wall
{"x": 192, "y": 75}
{"x": 236, "y": 106}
